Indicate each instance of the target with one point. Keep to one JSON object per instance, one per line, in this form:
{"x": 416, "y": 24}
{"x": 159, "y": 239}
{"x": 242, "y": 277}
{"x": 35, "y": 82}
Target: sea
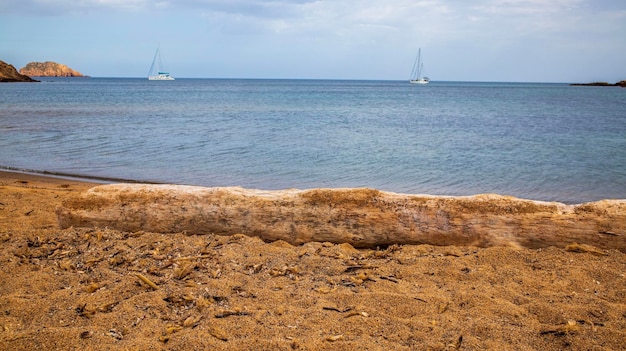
{"x": 540, "y": 141}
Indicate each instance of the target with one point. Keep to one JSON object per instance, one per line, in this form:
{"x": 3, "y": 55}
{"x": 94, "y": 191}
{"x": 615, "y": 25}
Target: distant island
{"x": 621, "y": 83}
{"x": 8, "y": 73}
{"x": 49, "y": 69}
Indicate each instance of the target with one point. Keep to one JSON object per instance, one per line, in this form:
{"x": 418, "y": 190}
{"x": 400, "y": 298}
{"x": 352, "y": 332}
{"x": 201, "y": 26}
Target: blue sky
{"x": 478, "y": 40}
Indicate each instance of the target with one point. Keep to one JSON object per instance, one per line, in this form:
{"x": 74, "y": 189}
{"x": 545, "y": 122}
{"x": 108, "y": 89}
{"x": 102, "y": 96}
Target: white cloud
{"x": 360, "y": 35}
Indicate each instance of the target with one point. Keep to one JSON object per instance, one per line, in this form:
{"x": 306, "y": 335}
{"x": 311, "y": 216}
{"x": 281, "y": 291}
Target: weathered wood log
{"x": 361, "y": 217}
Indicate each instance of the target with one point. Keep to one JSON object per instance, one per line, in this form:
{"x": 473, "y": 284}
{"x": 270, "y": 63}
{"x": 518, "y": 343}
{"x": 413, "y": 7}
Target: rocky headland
{"x": 49, "y": 69}
{"x": 8, "y": 73}
{"x": 621, "y": 83}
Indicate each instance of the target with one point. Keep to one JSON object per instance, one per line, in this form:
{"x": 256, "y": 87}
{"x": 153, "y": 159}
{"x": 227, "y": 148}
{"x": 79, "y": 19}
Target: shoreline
{"x": 96, "y": 180}
{"x": 70, "y": 176}
{"x": 27, "y": 176}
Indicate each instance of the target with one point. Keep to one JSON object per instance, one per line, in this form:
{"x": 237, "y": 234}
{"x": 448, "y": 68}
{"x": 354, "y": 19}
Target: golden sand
{"x": 98, "y": 288}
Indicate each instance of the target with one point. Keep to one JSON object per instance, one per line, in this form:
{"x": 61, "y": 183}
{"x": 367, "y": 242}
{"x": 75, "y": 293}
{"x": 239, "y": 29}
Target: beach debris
{"x": 191, "y": 322}
{"x": 336, "y": 309}
{"x": 147, "y": 281}
{"x": 173, "y": 328}
{"x": 169, "y": 330}
{"x": 357, "y": 280}
{"x": 389, "y": 278}
{"x": 288, "y": 271}
{"x": 218, "y": 333}
{"x": 225, "y": 314}
{"x": 333, "y": 338}
{"x": 34, "y": 242}
{"x": 183, "y": 270}
{"x": 92, "y": 288}
{"x": 202, "y": 303}
{"x": 176, "y": 300}
{"x": 107, "y": 307}
{"x": 240, "y": 291}
{"x": 584, "y": 248}
{"x": 138, "y": 320}
{"x": 330, "y": 216}
{"x": 83, "y": 311}
{"x": 355, "y": 313}
{"x": 254, "y": 268}
{"x": 353, "y": 268}
{"x": 116, "y": 334}
{"x": 571, "y": 327}
{"x": 86, "y": 334}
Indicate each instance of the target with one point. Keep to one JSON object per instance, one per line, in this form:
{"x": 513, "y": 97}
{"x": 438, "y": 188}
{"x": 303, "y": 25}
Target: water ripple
{"x": 541, "y": 141}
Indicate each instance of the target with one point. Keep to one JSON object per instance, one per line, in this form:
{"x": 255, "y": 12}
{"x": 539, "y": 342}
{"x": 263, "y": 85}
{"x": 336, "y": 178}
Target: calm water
{"x": 538, "y": 141}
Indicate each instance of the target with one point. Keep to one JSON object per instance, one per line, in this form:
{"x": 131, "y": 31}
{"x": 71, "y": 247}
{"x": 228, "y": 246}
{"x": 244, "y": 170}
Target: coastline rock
{"x": 49, "y": 69}
{"x": 8, "y": 73}
{"x": 621, "y": 83}
{"x": 360, "y": 217}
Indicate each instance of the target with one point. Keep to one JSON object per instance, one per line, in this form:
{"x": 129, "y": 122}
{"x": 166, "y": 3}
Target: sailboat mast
{"x": 415, "y": 71}
{"x": 153, "y": 62}
{"x": 419, "y": 64}
{"x": 160, "y": 64}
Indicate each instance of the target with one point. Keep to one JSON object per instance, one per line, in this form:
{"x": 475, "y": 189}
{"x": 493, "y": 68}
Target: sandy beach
{"x": 98, "y": 288}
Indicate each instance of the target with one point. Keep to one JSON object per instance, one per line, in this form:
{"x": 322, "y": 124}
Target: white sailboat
{"x": 159, "y": 74}
{"x": 416, "y": 73}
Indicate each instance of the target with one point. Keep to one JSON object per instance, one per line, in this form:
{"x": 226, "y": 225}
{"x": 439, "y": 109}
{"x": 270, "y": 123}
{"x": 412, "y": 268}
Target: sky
{"x": 460, "y": 40}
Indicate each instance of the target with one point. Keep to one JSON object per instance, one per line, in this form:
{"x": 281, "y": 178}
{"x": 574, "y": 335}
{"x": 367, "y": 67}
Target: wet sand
{"x": 97, "y": 288}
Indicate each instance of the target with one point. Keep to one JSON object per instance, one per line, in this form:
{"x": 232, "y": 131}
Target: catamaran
{"x": 159, "y": 74}
{"x": 416, "y": 74}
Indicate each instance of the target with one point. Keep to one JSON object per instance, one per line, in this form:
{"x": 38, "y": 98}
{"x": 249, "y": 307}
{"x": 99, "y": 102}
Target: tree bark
{"x": 361, "y": 217}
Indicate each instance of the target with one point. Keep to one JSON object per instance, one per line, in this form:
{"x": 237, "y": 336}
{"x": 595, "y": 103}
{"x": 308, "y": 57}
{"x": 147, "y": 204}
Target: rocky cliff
{"x": 48, "y": 69}
{"x": 8, "y": 73}
{"x": 360, "y": 217}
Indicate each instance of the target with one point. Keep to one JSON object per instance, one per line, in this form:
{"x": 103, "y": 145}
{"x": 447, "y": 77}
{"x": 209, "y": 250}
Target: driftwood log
{"x": 360, "y": 217}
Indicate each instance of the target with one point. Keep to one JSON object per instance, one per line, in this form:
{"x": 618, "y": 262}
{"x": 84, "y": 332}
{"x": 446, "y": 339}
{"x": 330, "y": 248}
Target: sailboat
{"x": 416, "y": 74}
{"x": 160, "y": 74}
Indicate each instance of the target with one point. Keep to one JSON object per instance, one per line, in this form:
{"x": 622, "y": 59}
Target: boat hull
{"x": 419, "y": 81}
{"x": 161, "y": 77}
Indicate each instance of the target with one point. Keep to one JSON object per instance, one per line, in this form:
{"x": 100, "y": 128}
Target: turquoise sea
{"x": 536, "y": 141}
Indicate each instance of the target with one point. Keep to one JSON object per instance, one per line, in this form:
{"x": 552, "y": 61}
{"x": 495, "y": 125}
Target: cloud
{"x": 361, "y": 35}
{"x": 251, "y": 8}
{"x": 362, "y": 20}
{"x": 74, "y": 7}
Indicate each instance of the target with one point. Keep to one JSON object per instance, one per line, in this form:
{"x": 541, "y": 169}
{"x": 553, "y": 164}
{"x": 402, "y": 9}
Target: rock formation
{"x": 360, "y": 217}
{"x": 621, "y": 83}
{"x": 8, "y": 73}
{"x": 48, "y": 69}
